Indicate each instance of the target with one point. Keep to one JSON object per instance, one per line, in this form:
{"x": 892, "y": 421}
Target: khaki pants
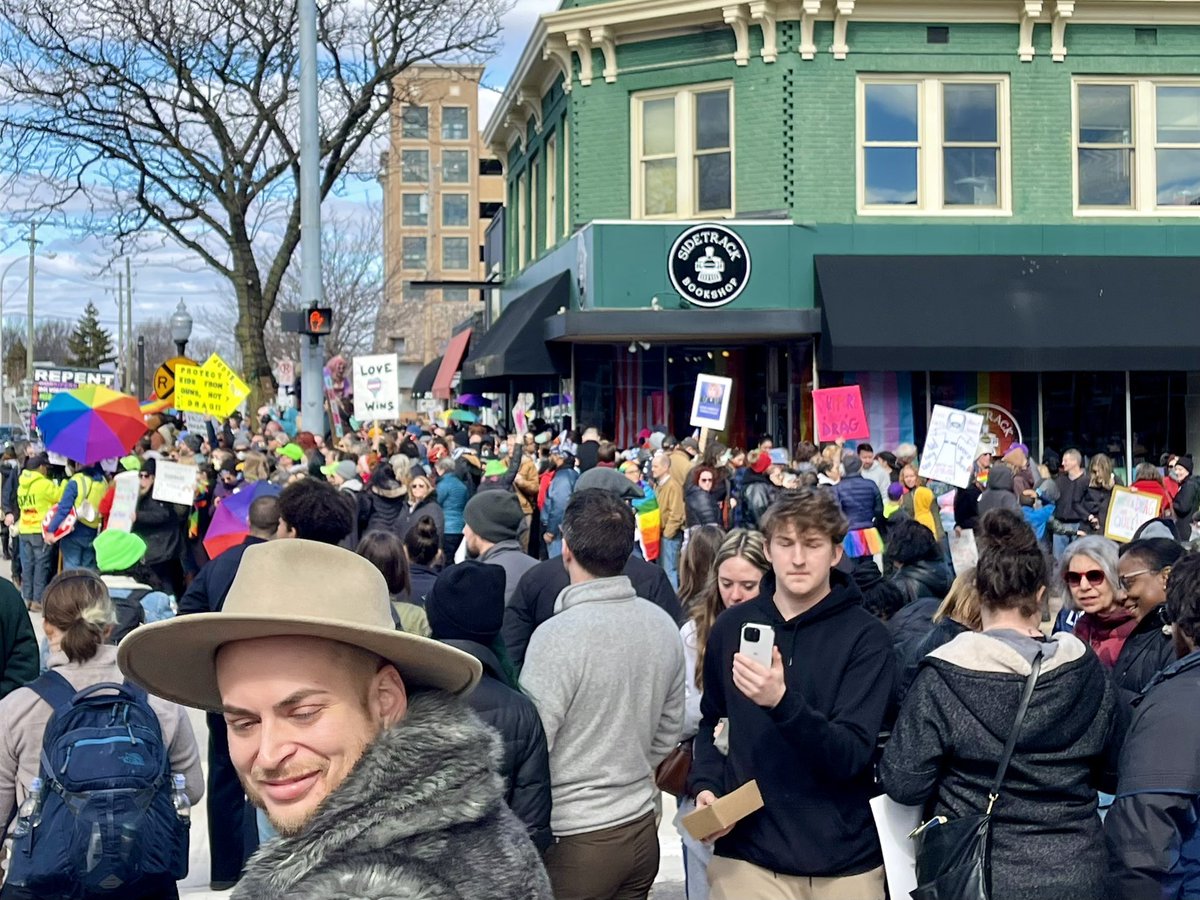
{"x": 733, "y": 879}
{"x": 618, "y": 863}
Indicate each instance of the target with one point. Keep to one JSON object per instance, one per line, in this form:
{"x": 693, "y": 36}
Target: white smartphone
{"x": 757, "y": 641}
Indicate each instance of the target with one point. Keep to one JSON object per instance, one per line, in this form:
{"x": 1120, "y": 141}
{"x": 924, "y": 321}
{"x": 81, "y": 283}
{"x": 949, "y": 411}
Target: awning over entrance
{"x": 455, "y": 351}
{"x": 423, "y": 383}
{"x": 515, "y": 347}
{"x": 1009, "y": 313}
{"x": 714, "y": 326}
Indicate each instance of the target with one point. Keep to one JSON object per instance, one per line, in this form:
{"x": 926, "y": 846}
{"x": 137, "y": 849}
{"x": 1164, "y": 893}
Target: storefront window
{"x": 1008, "y": 402}
{"x": 1159, "y": 414}
{"x": 1085, "y": 410}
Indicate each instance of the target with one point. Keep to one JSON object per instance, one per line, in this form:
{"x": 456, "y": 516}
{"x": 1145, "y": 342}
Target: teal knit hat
{"x": 117, "y": 551}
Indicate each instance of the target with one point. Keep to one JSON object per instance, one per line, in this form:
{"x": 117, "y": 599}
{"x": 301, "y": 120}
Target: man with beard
{"x": 348, "y": 733}
{"x": 491, "y": 531}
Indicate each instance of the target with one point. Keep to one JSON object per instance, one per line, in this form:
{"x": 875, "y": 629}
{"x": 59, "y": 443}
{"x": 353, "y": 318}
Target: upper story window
{"x": 455, "y": 210}
{"x": 1137, "y": 146}
{"x": 456, "y": 253}
{"x": 414, "y": 253}
{"x": 415, "y": 122}
{"x": 415, "y": 210}
{"x": 683, "y": 152}
{"x": 414, "y": 166}
{"x": 455, "y": 125}
{"x": 456, "y": 166}
{"x": 933, "y": 145}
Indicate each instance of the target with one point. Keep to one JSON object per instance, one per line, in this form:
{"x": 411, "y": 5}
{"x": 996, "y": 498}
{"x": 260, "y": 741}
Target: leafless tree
{"x": 49, "y": 345}
{"x": 181, "y": 116}
{"x": 156, "y": 338}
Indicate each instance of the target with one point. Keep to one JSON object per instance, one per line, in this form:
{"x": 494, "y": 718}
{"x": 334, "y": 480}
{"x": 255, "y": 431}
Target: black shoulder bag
{"x": 954, "y": 856}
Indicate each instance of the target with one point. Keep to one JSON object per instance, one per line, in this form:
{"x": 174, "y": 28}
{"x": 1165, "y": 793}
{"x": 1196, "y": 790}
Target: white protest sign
{"x": 1129, "y": 510}
{"x": 895, "y": 822}
{"x": 195, "y": 424}
{"x": 174, "y": 483}
{"x": 964, "y": 553}
{"x": 710, "y": 403}
{"x": 125, "y": 498}
{"x": 376, "y": 387}
{"x": 950, "y": 446}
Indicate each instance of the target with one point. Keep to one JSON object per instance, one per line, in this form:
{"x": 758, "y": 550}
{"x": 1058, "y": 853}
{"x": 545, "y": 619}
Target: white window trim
{"x": 930, "y": 183}
{"x": 522, "y": 230}
{"x": 404, "y": 265}
{"x": 441, "y": 125}
{"x": 566, "y": 162}
{"x": 442, "y": 212}
{"x": 467, "y": 261}
{"x": 428, "y": 164}
{"x": 423, "y": 195}
{"x": 535, "y": 172}
{"x": 465, "y": 183}
{"x": 551, "y": 190}
{"x": 685, "y": 154}
{"x": 1145, "y": 164}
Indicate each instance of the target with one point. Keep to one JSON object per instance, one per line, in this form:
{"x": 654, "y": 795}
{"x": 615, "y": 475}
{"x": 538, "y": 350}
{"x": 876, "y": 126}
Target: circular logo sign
{"x": 709, "y": 265}
{"x": 1000, "y": 427}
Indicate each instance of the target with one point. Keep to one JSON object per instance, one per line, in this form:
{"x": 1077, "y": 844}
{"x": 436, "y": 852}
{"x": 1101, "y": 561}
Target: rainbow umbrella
{"x": 474, "y": 400}
{"x": 460, "y": 415}
{"x": 231, "y": 522}
{"x": 91, "y": 422}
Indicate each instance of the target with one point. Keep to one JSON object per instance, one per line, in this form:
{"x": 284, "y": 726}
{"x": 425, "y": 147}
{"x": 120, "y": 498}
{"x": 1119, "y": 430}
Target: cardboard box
{"x": 733, "y": 807}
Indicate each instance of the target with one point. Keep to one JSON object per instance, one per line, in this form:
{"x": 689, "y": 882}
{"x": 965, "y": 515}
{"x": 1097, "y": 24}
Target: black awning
{"x": 514, "y": 346}
{"x": 423, "y": 383}
{"x": 1009, "y": 313}
{"x": 693, "y": 326}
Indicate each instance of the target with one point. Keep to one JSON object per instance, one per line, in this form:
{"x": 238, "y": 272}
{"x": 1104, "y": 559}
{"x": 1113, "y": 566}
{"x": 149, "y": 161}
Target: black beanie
{"x": 466, "y": 603}
{"x": 1186, "y": 462}
{"x": 494, "y": 515}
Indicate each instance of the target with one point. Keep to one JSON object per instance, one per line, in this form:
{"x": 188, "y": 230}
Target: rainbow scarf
{"x": 863, "y": 542}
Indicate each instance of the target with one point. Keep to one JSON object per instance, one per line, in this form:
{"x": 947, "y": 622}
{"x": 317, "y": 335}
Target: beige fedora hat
{"x": 288, "y": 587}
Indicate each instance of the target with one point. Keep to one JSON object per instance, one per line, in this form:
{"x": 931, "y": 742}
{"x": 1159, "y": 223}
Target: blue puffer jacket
{"x": 452, "y": 496}
{"x": 860, "y": 501}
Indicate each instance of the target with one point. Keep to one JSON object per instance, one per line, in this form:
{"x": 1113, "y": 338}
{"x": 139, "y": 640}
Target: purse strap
{"x": 1011, "y": 744}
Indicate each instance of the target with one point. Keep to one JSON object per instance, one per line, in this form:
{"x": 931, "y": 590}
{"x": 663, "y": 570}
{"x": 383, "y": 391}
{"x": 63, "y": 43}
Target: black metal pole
{"x": 141, "y": 367}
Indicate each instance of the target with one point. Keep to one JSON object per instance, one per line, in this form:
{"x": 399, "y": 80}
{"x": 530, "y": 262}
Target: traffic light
{"x": 318, "y": 320}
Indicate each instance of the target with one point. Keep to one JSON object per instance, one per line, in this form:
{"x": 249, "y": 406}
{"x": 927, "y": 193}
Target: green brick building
{"x": 953, "y": 201}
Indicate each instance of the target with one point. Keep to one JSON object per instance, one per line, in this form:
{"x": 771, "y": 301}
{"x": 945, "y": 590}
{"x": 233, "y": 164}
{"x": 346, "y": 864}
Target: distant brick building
{"x": 440, "y": 189}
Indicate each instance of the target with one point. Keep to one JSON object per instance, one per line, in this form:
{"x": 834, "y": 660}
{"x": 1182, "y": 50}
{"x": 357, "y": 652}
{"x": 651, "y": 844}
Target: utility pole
{"x": 121, "y": 378}
{"x": 33, "y": 242}
{"x": 129, "y": 321}
{"x": 311, "y": 355}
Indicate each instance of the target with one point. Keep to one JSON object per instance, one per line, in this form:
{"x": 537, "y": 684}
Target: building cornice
{"x": 565, "y": 42}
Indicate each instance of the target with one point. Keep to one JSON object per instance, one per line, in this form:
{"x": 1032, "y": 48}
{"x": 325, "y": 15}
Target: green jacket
{"x": 19, "y": 656}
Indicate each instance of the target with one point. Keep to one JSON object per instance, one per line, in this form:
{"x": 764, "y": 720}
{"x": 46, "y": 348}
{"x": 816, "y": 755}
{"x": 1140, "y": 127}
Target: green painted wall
{"x": 795, "y": 121}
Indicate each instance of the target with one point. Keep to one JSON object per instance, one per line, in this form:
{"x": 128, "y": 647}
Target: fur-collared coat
{"x": 421, "y": 817}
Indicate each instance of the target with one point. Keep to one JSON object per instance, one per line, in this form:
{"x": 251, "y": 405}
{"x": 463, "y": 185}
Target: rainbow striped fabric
{"x": 863, "y": 542}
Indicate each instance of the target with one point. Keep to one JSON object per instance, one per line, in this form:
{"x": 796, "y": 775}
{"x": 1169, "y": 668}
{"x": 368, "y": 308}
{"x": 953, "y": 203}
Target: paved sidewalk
{"x": 195, "y": 887}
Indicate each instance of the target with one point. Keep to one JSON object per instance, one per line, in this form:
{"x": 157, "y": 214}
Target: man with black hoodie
{"x": 805, "y": 729}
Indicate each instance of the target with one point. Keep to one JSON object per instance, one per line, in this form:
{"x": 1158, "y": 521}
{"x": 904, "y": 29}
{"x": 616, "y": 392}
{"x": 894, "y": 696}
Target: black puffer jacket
{"x": 382, "y": 510}
{"x": 1145, "y": 653}
{"x": 758, "y": 492}
{"x": 947, "y": 742}
{"x": 924, "y": 578}
{"x": 525, "y": 765}
{"x": 702, "y": 507}
{"x": 410, "y": 517}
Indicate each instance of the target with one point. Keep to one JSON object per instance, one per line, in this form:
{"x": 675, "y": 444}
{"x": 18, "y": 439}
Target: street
{"x": 670, "y": 876}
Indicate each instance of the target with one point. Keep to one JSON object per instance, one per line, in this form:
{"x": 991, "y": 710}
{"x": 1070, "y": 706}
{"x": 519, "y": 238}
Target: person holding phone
{"x": 804, "y": 676}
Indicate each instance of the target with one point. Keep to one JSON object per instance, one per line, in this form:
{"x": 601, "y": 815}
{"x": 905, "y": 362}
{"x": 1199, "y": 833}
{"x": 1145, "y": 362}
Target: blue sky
{"x": 162, "y": 275}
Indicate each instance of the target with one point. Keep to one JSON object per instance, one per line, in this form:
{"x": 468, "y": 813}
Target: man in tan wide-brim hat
{"x": 346, "y": 732}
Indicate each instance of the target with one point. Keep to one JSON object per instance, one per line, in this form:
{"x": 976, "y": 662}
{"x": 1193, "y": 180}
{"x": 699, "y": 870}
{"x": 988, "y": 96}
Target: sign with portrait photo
{"x": 710, "y": 405}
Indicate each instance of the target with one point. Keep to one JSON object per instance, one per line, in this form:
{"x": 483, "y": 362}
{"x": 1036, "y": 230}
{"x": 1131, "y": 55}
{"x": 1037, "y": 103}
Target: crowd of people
{"x": 461, "y": 660}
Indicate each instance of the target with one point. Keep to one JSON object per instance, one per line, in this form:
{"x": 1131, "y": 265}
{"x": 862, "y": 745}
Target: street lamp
{"x": 181, "y": 327}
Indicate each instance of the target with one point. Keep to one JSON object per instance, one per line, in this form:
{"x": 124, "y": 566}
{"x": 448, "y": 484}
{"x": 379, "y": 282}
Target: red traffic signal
{"x": 319, "y": 320}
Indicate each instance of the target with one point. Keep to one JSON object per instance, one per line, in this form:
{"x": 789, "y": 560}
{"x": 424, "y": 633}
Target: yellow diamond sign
{"x": 213, "y": 389}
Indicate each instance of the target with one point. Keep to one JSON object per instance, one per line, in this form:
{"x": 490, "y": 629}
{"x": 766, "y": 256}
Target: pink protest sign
{"x": 839, "y": 413}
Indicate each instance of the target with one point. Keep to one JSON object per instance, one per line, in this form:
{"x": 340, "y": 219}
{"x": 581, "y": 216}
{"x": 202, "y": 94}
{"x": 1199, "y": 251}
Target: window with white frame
{"x": 454, "y": 123}
{"x": 1137, "y": 146}
{"x": 415, "y": 210}
{"x": 456, "y": 253}
{"x": 933, "y": 145}
{"x": 551, "y": 190}
{"x": 455, "y": 210}
{"x": 415, "y": 122}
{"x": 683, "y": 152}
{"x": 414, "y": 166}
{"x": 456, "y": 166}
{"x": 414, "y": 253}
{"x": 522, "y": 224}
{"x": 566, "y": 216}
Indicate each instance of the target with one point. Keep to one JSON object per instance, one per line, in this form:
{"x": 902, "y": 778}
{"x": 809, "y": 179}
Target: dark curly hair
{"x": 908, "y": 542}
{"x": 317, "y": 510}
{"x": 1012, "y": 569}
{"x": 1183, "y": 598}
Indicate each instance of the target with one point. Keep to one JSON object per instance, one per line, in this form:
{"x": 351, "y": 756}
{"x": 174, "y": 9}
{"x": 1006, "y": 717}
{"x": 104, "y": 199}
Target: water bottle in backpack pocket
{"x": 107, "y": 815}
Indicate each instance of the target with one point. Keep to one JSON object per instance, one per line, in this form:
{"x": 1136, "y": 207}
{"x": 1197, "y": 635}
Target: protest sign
{"x": 125, "y": 498}
{"x": 174, "y": 482}
{"x": 964, "y": 553}
{"x": 376, "y": 387}
{"x": 895, "y": 824}
{"x": 839, "y": 413}
{"x": 950, "y": 446}
{"x": 51, "y": 380}
{"x": 1129, "y": 510}
{"x": 520, "y": 421}
{"x": 710, "y": 405}
{"x": 213, "y": 389}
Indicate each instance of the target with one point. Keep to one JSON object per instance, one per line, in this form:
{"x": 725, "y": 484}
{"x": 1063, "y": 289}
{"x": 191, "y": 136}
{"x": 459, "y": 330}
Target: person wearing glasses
{"x": 161, "y": 525}
{"x": 1144, "y": 568}
{"x": 1089, "y": 571}
{"x": 700, "y": 502}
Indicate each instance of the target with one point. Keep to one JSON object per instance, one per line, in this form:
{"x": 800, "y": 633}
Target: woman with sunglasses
{"x": 1089, "y": 571}
{"x": 1144, "y": 568}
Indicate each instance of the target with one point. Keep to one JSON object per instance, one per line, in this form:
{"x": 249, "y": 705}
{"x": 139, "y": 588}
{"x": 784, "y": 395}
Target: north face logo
{"x": 133, "y": 759}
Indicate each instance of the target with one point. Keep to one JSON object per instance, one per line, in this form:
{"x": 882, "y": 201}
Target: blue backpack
{"x": 107, "y": 817}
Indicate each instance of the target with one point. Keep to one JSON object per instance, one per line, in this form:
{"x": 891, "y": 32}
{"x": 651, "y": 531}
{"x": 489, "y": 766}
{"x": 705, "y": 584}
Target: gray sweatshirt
{"x": 606, "y": 673}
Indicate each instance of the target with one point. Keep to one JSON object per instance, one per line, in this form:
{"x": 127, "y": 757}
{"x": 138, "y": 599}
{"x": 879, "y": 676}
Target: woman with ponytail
{"x": 78, "y": 618}
{"x": 1046, "y": 840}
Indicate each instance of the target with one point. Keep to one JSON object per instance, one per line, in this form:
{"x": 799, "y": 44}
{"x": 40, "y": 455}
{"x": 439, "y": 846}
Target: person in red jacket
{"x": 1148, "y": 481}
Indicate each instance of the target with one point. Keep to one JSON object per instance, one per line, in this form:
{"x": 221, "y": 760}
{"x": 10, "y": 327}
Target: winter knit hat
{"x": 1186, "y": 462}
{"x": 494, "y": 515}
{"x": 117, "y": 551}
{"x": 466, "y": 603}
{"x": 851, "y": 464}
